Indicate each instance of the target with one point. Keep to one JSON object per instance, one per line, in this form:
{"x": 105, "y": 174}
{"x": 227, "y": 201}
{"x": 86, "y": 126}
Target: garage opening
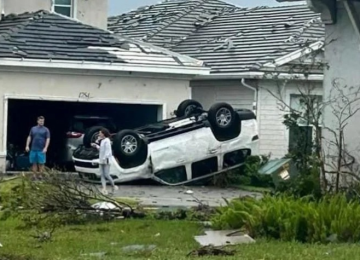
{"x": 67, "y": 122}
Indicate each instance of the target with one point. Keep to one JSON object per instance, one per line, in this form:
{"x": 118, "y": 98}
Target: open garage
{"x": 129, "y": 100}
{"x": 67, "y": 122}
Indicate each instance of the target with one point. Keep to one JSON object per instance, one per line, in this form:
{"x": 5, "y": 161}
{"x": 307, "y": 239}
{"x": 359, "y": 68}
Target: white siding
{"x": 229, "y": 91}
{"x": 273, "y": 134}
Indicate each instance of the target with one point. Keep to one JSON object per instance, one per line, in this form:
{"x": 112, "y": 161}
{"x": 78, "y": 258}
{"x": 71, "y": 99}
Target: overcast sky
{"x": 122, "y": 6}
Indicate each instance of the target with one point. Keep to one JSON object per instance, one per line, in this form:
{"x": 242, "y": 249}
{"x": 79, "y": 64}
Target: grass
{"x": 252, "y": 188}
{"x": 173, "y": 240}
{"x": 7, "y": 184}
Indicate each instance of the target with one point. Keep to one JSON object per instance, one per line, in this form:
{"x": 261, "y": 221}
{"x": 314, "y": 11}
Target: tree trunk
{"x": 338, "y": 170}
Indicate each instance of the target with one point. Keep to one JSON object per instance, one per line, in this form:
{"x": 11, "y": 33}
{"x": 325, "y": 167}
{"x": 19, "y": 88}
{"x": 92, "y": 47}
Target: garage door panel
{"x": 237, "y": 96}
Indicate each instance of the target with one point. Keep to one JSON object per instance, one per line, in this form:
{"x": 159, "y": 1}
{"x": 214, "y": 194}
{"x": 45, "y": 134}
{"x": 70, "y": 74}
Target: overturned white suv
{"x": 194, "y": 145}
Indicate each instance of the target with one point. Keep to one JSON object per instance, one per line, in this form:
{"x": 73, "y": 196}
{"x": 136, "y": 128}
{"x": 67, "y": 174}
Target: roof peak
{"x": 167, "y": 2}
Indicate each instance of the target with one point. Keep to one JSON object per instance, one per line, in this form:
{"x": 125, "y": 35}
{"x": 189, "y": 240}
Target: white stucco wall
{"x": 92, "y": 12}
{"x": 112, "y": 87}
{"x": 274, "y": 137}
{"x": 343, "y": 56}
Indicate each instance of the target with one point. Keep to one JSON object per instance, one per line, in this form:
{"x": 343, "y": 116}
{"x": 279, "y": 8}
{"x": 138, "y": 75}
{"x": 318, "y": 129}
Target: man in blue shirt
{"x": 39, "y": 137}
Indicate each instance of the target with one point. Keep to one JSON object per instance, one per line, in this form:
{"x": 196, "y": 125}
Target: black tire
{"x": 224, "y": 132}
{"x": 221, "y": 116}
{"x": 188, "y": 108}
{"x": 91, "y": 135}
{"x": 127, "y": 145}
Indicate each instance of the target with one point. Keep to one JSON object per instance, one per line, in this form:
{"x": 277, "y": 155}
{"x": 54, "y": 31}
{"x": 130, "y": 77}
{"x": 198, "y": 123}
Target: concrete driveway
{"x": 165, "y": 196}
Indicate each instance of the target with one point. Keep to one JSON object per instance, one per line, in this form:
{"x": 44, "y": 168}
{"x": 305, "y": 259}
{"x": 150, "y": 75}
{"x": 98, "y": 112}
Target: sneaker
{"x": 104, "y": 191}
{"x": 114, "y": 188}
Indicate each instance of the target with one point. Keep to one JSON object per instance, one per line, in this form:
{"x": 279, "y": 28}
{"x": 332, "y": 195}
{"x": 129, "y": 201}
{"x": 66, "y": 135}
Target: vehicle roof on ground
{"x": 49, "y": 36}
{"x": 228, "y": 38}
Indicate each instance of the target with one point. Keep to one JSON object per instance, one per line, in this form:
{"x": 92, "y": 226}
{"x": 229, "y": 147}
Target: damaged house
{"x": 243, "y": 47}
{"x": 58, "y": 67}
{"x": 342, "y": 30}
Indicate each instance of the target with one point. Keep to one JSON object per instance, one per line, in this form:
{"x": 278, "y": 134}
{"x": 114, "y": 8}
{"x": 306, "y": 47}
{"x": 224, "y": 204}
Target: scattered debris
{"x": 45, "y": 236}
{"x": 137, "y": 248}
{"x": 228, "y": 44}
{"x": 223, "y": 237}
{"x": 332, "y": 238}
{"x": 98, "y": 254}
{"x": 289, "y": 24}
{"x": 211, "y": 251}
{"x": 206, "y": 224}
{"x": 105, "y": 205}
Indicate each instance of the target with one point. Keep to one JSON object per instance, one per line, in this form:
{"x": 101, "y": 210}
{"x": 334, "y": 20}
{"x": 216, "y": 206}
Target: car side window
{"x": 173, "y": 175}
{"x": 204, "y": 167}
{"x": 236, "y": 157}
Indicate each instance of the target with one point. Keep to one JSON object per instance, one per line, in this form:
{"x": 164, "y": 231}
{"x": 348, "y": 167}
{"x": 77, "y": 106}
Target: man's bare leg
{"x": 34, "y": 169}
{"x": 41, "y": 170}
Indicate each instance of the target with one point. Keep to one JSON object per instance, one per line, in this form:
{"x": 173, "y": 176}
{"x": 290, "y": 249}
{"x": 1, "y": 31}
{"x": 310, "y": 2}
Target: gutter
{"x": 64, "y": 64}
{"x": 255, "y": 94}
{"x": 261, "y": 75}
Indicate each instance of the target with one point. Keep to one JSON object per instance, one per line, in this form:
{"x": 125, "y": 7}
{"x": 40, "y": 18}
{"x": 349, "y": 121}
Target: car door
{"x": 183, "y": 150}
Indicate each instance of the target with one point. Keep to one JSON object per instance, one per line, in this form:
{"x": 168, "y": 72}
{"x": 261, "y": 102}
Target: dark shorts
{"x": 37, "y": 157}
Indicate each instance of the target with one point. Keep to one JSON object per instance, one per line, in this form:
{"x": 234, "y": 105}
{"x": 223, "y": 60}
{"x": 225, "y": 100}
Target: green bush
{"x": 247, "y": 175}
{"x": 288, "y": 218}
{"x": 303, "y": 185}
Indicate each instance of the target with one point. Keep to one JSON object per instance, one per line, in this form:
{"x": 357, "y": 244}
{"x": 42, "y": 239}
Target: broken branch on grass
{"x": 211, "y": 251}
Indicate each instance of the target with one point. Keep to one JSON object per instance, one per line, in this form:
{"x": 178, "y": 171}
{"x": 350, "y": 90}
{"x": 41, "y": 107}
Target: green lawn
{"x": 174, "y": 239}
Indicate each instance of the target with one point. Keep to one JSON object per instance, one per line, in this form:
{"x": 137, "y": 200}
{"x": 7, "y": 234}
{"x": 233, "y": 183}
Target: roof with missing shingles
{"x": 230, "y": 39}
{"x": 45, "y": 35}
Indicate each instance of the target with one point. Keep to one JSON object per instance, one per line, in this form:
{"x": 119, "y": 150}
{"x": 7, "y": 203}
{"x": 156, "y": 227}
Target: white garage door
{"x": 208, "y": 93}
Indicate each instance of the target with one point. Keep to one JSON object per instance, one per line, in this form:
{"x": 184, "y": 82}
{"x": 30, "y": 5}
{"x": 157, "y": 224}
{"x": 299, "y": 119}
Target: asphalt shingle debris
{"x": 45, "y": 35}
{"x": 228, "y": 38}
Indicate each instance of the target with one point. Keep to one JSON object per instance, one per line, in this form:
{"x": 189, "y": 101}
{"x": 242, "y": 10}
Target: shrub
{"x": 304, "y": 185}
{"x": 247, "y": 175}
{"x": 287, "y": 218}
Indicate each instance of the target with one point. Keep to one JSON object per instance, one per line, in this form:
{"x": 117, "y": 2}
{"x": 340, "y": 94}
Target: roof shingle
{"x": 45, "y": 35}
{"x": 230, "y": 39}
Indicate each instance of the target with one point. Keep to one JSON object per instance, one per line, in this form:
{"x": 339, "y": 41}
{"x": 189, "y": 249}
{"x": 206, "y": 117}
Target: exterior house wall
{"x": 273, "y": 134}
{"x": 208, "y": 92}
{"x": 92, "y": 12}
{"x": 274, "y": 137}
{"x": 112, "y": 87}
{"x": 343, "y": 57}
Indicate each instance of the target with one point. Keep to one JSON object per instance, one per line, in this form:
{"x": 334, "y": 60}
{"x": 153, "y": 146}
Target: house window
{"x": 64, "y": 7}
{"x": 302, "y": 136}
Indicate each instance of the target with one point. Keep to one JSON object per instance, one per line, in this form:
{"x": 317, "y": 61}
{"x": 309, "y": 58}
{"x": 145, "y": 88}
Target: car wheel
{"x": 225, "y": 122}
{"x": 129, "y": 148}
{"x": 188, "y": 108}
{"x": 221, "y": 116}
{"x": 91, "y": 135}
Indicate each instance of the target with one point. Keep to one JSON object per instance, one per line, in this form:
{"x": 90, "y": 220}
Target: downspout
{"x": 255, "y": 94}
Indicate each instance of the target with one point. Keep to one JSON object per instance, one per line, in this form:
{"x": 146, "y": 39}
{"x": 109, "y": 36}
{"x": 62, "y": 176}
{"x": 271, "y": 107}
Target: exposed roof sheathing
{"x": 230, "y": 39}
